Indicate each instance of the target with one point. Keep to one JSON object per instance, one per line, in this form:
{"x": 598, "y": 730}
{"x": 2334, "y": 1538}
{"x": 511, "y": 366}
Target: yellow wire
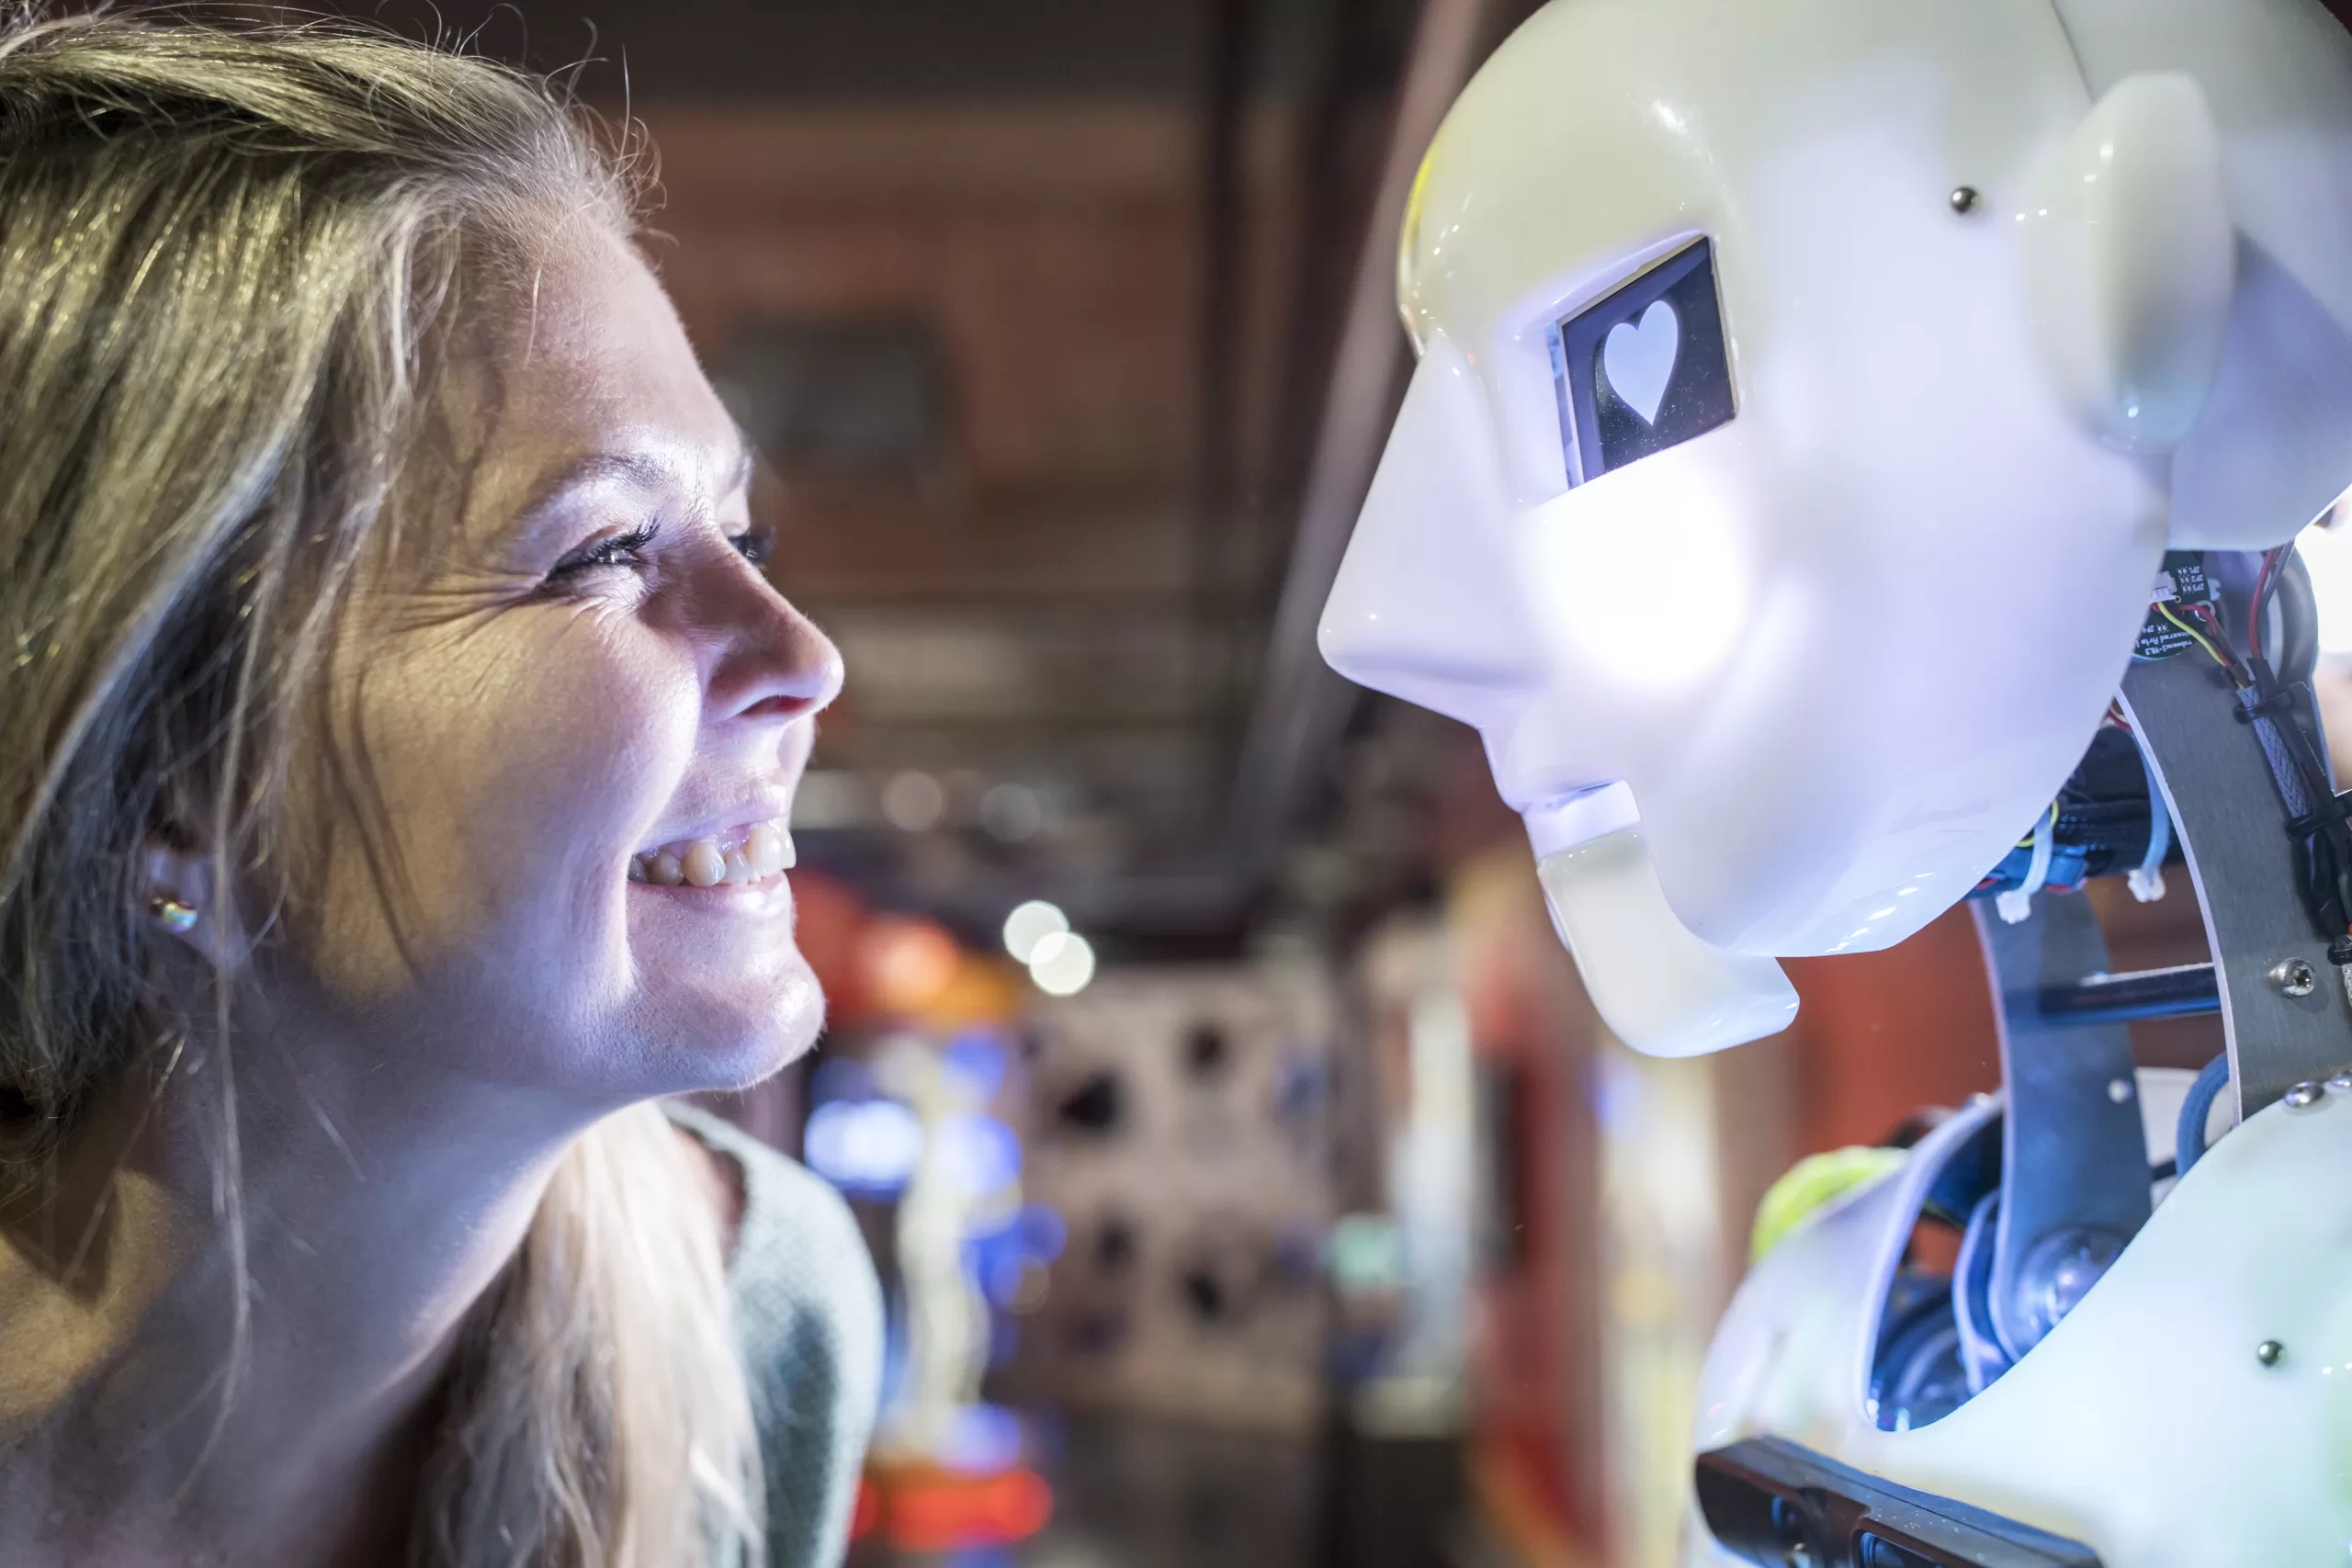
{"x": 2195, "y": 636}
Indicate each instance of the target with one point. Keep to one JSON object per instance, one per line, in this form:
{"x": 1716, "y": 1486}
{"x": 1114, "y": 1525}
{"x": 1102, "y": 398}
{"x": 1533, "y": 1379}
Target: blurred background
{"x": 1251, "y": 1181}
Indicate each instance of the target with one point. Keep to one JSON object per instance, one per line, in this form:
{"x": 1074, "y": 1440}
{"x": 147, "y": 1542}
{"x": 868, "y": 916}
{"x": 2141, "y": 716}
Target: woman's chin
{"x": 704, "y": 1043}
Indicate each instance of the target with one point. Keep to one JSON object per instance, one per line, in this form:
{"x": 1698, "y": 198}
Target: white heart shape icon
{"x": 1639, "y": 360}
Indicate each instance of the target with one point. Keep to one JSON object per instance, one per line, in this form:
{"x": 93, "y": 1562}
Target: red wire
{"x": 2203, "y": 616}
{"x": 2261, "y": 583}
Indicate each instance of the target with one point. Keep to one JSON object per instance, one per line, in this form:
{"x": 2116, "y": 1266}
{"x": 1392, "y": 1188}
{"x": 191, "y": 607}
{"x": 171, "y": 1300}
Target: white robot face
{"x": 1807, "y": 393}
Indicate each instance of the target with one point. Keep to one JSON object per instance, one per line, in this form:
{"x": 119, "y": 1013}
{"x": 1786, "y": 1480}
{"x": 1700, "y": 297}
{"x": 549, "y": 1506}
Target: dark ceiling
{"x": 829, "y": 50}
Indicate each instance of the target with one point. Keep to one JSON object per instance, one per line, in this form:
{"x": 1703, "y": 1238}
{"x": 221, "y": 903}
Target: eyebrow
{"x": 638, "y": 470}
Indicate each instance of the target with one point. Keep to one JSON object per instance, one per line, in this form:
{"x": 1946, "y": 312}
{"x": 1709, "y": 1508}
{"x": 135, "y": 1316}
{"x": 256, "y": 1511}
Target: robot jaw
{"x": 1661, "y": 988}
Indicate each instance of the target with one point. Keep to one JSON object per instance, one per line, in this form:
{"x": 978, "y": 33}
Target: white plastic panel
{"x": 2146, "y": 1425}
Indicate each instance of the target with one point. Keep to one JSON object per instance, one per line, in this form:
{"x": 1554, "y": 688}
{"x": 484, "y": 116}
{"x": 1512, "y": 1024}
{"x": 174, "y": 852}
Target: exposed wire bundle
{"x": 2276, "y": 705}
{"x": 2204, "y": 629}
{"x": 2109, "y": 819}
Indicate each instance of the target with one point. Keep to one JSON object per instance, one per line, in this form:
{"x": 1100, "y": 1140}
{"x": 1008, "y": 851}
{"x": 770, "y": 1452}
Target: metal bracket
{"x": 2073, "y": 1156}
{"x": 2242, "y": 863}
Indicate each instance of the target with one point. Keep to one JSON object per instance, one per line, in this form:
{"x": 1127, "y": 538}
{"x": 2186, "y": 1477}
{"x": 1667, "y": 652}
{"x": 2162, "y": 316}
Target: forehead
{"x": 1606, "y": 132}
{"x": 577, "y": 353}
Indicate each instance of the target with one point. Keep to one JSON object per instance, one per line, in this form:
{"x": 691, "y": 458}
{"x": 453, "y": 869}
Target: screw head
{"x": 2294, "y": 976}
{"x": 1963, "y": 199}
{"x": 2268, "y": 1352}
{"x": 2300, "y": 1095}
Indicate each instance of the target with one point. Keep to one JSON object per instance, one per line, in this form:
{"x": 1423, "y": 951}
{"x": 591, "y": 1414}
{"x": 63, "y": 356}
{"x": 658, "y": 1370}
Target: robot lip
{"x": 1533, "y": 773}
{"x": 1562, "y": 820}
{"x": 1661, "y": 988}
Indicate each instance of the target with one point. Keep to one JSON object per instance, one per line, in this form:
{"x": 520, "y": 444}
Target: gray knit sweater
{"x": 809, "y": 1321}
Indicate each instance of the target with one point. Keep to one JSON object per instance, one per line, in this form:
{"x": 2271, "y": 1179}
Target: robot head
{"x": 1806, "y": 394}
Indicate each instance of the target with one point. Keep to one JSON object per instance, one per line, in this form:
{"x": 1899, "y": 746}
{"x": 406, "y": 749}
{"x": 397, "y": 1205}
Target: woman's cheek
{"x": 636, "y": 716}
{"x": 512, "y": 767}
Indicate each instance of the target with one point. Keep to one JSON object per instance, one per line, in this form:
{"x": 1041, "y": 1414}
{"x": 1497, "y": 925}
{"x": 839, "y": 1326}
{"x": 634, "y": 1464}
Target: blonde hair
{"x": 227, "y": 255}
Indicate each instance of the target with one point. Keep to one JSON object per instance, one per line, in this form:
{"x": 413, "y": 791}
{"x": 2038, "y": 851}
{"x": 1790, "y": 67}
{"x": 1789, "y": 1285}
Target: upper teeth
{"x": 740, "y": 854}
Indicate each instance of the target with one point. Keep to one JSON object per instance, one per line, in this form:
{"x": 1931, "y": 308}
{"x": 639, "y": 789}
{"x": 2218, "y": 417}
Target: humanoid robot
{"x": 1851, "y": 465}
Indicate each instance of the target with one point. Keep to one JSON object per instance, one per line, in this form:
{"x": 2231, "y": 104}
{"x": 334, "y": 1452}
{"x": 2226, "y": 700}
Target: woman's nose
{"x": 1426, "y": 607}
{"x": 773, "y": 663}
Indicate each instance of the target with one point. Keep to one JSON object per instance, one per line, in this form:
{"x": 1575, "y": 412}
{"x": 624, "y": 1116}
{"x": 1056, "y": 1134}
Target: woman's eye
{"x": 618, "y": 550}
{"x": 755, "y": 544}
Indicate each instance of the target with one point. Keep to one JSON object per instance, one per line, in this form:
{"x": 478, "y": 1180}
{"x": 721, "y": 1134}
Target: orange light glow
{"x": 906, "y": 963}
{"x": 934, "y": 1510}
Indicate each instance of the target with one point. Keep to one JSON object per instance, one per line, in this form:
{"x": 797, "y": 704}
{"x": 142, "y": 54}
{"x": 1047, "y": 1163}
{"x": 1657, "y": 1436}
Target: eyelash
{"x": 755, "y": 545}
{"x": 612, "y": 551}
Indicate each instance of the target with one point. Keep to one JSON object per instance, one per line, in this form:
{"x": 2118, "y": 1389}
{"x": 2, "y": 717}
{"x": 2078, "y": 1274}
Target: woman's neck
{"x": 150, "y": 1410}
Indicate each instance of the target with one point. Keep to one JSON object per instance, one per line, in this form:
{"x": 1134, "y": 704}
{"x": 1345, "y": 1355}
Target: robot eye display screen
{"x": 1645, "y": 369}
{"x": 1782, "y": 1506}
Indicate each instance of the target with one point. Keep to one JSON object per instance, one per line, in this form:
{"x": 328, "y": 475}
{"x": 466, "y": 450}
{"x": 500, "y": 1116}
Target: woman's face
{"x": 586, "y": 671}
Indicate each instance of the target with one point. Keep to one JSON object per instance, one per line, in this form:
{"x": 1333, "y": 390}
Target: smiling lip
{"x": 750, "y": 854}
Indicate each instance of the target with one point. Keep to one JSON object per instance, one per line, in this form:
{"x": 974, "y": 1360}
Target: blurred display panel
{"x": 1179, "y": 1127}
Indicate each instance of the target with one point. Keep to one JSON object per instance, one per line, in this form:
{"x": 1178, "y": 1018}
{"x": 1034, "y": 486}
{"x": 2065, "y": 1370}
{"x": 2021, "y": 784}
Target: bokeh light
{"x": 1011, "y": 813}
{"x": 907, "y": 962}
{"x": 1030, "y": 925}
{"x": 914, "y": 802}
{"x": 867, "y": 1146}
{"x": 1062, "y": 964}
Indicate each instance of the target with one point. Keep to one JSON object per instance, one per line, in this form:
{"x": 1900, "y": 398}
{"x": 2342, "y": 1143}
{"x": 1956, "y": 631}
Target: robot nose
{"x": 1425, "y": 607}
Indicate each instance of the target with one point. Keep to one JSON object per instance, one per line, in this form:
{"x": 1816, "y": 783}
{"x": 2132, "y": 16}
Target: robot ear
{"x": 2130, "y": 256}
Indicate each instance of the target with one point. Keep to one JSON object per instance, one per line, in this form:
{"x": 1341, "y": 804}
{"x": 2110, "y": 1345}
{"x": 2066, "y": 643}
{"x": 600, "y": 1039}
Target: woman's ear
{"x": 179, "y": 899}
{"x": 2131, "y": 260}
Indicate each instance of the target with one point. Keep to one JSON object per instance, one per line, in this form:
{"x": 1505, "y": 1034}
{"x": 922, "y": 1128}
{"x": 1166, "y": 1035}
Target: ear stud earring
{"x": 178, "y": 918}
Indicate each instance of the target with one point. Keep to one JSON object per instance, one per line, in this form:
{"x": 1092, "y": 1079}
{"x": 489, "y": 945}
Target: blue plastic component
{"x": 2190, "y": 1140}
